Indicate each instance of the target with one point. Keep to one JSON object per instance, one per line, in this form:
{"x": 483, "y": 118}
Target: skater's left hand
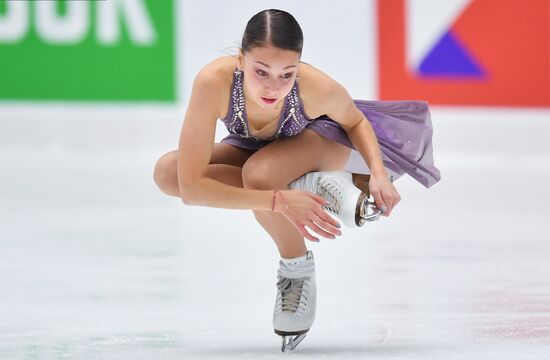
{"x": 384, "y": 193}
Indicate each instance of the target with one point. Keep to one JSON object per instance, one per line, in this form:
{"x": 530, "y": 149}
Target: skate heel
{"x": 290, "y": 333}
{"x": 361, "y": 181}
{"x": 365, "y": 210}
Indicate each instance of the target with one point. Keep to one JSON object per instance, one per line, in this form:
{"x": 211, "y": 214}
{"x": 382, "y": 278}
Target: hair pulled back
{"x": 273, "y": 27}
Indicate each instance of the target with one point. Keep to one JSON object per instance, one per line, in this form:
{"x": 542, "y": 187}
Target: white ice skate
{"x": 347, "y": 194}
{"x": 294, "y": 311}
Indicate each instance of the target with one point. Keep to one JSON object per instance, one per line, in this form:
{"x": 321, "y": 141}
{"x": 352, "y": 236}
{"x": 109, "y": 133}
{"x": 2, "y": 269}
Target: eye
{"x": 261, "y": 72}
{"x": 287, "y": 76}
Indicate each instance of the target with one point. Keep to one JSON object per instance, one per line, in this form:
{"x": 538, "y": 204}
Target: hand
{"x": 384, "y": 193}
{"x": 303, "y": 209}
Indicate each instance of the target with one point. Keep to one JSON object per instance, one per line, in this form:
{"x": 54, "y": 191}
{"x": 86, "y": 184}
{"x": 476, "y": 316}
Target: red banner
{"x": 476, "y": 52}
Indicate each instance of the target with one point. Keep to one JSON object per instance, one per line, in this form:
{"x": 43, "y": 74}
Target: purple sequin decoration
{"x": 291, "y": 122}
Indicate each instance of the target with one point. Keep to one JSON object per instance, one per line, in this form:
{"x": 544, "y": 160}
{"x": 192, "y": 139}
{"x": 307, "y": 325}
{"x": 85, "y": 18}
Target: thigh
{"x": 221, "y": 154}
{"x": 230, "y": 155}
{"x": 286, "y": 159}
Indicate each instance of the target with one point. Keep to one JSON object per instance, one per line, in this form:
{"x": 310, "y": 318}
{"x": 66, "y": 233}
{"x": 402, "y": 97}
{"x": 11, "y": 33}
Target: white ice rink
{"x": 97, "y": 263}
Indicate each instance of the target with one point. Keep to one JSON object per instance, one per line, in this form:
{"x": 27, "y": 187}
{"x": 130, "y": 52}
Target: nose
{"x": 272, "y": 88}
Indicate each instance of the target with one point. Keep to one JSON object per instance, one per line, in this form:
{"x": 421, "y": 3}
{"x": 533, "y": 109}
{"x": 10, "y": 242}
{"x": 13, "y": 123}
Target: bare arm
{"x": 195, "y": 150}
{"x": 341, "y": 108}
{"x": 194, "y": 153}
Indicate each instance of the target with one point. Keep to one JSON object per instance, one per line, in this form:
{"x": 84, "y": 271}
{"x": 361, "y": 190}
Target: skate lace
{"x": 331, "y": 193}
{"x": 291, "y": 293}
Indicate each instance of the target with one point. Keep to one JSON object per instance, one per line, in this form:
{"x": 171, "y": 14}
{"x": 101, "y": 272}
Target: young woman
{"x": 292, "y": 132}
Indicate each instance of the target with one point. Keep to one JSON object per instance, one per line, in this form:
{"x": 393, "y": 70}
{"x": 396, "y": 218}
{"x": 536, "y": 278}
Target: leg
{"x": 279, "y": 163}
{"x": 225, "y": 165}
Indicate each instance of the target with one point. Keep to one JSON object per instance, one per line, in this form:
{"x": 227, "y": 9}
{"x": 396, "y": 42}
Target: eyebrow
{"x": 270, "y": 66}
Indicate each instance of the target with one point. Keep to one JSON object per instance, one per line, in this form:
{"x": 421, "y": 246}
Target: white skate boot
{"x": 347, "y": 194}
{"x": 294, "y": 311}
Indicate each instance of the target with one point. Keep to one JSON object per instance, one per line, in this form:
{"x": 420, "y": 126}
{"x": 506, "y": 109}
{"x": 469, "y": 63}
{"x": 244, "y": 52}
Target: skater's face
{"x": 269, "y": 73}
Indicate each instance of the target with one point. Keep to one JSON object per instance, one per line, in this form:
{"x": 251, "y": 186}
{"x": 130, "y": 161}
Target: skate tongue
{"x": 289, "y": 284}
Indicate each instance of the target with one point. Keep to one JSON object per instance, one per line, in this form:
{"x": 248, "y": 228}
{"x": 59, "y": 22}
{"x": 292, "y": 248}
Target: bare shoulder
{"x": 318, "y": 90}
{"x": 217, "y": 76}
{"x": 219, "y": 67}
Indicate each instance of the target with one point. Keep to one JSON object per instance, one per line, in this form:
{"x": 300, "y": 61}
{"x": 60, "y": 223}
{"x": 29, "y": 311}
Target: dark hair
{"x": 273, "y": 27}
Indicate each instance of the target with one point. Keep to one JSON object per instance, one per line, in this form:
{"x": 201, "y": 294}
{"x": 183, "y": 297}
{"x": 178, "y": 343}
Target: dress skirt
{"x": 403, "y": 130}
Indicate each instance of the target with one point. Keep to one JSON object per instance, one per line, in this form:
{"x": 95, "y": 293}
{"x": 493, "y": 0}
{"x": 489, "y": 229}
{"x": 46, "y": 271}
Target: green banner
{"x": 102, "y": 50}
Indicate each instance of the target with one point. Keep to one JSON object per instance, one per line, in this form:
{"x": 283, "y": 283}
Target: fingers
{"x": 316, "y": 228}
{"x": 311, "y": 214}
{"x": 379, "y": 201}
{"x": 328, "y": 222}
{"x": 391, "y": 200}
{"x": 318, "y": 198}
{"x": 313, "y": 226}
{"x": 324, "y": 216}
{"x": 305, "y": 233}
{"x": 386, "y": 202}
{"x": 308, "y": 236}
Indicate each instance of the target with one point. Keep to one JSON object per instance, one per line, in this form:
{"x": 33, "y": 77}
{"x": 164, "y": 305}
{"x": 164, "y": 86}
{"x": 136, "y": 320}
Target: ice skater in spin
{"x": 299, "y": 149}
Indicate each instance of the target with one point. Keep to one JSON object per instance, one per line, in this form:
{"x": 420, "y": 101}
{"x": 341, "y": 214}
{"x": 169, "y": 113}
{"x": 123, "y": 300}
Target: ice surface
{"x": 96, "y": 263}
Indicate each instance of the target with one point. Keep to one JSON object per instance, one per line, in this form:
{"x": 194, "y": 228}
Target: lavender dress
{"x": 403, "y": 130}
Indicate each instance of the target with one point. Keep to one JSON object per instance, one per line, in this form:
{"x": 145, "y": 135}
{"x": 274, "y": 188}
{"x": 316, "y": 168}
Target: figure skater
{"x": 299, "y": 149}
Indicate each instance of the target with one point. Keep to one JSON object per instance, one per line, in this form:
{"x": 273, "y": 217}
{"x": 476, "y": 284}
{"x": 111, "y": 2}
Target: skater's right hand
{"x": 303, "y": 208}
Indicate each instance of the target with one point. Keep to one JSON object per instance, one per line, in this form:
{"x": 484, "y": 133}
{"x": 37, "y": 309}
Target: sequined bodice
{"x": 291, "y": 122}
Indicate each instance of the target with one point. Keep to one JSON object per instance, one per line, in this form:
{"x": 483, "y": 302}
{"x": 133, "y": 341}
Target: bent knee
{"x": 258, "y": 175}
{"x": 165, "y": 173}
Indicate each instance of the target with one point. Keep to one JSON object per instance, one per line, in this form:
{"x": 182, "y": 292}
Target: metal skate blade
{"x": 290, "y": 342}
{"x": 371, "y": 212}
{"x": 368, "y": 212}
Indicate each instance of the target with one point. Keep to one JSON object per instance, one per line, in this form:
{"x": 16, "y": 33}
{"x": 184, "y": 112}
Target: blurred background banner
{"x": 117, "y": 50}
{"x": 465, "y": 52}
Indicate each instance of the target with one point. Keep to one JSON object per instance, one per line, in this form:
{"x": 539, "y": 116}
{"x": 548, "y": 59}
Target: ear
{"x": 241, "y": 59}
